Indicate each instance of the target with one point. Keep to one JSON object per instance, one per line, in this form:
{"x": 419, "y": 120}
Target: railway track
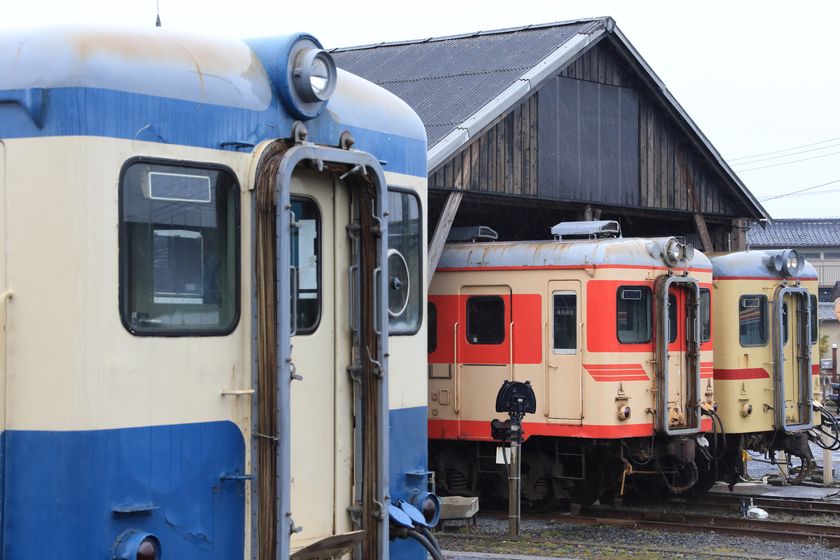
{"x": 816, "y": 533}
{"x": 770, "y": 504}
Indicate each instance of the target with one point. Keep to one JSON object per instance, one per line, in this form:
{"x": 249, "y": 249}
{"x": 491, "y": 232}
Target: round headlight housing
{"x": 674, "y": 252}
{"x": 314, "y": 75}
{"x": 137, "y": 545}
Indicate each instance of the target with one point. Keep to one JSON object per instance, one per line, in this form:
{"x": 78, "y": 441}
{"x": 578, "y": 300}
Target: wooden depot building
{"x": 539, "y": 124}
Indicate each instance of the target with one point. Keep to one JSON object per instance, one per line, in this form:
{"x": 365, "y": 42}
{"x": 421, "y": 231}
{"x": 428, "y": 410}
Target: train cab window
{"x": 432, "y": 318}
{"x": 814, "y": 319}
{"x": 306, "y": 259}
{"x": 405, "y": 262}
{"x": 633, "y": 314}
{"x": 705, "y": 315}
{"x": 565, "y": 322}
{"x": 672, "y": 318}
{"x": 485, "y": 320}
{"x": 179, "y": 249}
{"x": 785, "y": 323}
{"x": 752, "y": 320}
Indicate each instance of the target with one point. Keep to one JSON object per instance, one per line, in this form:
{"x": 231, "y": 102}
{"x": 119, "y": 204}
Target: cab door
{"x": 484, "y": 357}
{"x": 795, "y": 357}
{"x": 321, "y": 401}
{"x": 677, "y": 353}
{"x": 563, "y": 360}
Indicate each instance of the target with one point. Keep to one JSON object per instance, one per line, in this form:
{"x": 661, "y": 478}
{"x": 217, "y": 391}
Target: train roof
{"x": 178, "y": 88}
{"x": 753, "y": 264}
{"x": 622, "y": 252}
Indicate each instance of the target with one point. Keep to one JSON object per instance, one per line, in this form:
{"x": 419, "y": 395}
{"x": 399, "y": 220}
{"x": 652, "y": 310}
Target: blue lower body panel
{"x": 69, "y": 495}
{"x": 408, "y": 456}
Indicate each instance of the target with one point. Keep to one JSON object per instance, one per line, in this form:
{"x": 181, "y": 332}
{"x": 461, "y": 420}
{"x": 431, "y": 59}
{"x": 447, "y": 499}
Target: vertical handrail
{"x": 457, "y": 372}
{"x": 510, "y": 348}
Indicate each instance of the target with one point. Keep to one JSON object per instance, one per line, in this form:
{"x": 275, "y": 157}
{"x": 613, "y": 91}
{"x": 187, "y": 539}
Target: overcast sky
{"x": 756, "y": 77}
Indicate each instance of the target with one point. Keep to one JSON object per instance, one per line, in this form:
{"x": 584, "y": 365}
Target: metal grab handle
{"x": 377, "y": 321}
{"x": 293, "y": 293}
{"x": 457, "y": 369}
{"x": 510, "y": 349}
{"x": 351, "y": 305}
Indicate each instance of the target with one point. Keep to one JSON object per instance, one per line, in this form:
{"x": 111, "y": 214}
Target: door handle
{"x": 553, "y": 366}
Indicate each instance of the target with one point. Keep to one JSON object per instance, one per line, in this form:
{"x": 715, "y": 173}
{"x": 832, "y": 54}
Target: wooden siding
{"x": 516, "y": 153}
{"x": 503, "y": 159}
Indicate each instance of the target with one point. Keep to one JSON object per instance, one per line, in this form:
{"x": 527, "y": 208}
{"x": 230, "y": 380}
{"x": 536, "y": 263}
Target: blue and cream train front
{"x": 138, "y": 316}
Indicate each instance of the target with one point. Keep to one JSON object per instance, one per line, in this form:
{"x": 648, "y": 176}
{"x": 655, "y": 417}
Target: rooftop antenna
{"x": 157, "y": 21}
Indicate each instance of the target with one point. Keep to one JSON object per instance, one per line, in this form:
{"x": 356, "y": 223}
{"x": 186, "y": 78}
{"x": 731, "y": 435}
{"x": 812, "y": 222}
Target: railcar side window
{"x": 405, "y": 262}
{"x": 432, "y": 318}
{"x": 633, "y": 314}
{"x": 814, "y": 319}
{"x": 485, "y": 320}
{"x": 306, "y": 260}
{"x": 179, "y": 250}
{"x": 705, "y": 315}
{"x": 672, "y": 318}
{"x": 752, "y": 320}
{"x": 565, "y": 322}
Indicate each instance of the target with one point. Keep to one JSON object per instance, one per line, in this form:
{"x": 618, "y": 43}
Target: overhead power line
{"x": 798, "y": 191}
{"x": 785, "y": 149}
{"x": 787, "y": 155}
{"x": 788, "y": 162}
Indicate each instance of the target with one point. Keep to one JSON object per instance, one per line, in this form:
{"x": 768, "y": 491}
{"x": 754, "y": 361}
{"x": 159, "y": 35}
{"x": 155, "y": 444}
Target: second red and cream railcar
{"x": 614, "y": 335}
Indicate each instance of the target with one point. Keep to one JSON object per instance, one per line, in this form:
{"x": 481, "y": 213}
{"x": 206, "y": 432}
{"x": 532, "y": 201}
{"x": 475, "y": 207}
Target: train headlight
{"x": 314, "y": 75}
{"x": 303, "y": 74}
{"x": 137, "y": 545}
{"x": 746, "y": 409}
{"x": 787, "y": 262}
{"x": 675, "y": 252}
{"x": 624, "y": 412}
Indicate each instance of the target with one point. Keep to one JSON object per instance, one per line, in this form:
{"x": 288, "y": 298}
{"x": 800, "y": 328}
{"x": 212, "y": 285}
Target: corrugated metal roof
{"x": 796, "y": 233}
{"x": 826, "y": 312}
{"x": 448, "y": 79}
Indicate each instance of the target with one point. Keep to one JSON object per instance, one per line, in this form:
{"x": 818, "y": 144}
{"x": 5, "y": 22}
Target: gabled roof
{"x": 826, "y": 311}
{"x": 823, "y": 232}
{"x": 459, "y": 84}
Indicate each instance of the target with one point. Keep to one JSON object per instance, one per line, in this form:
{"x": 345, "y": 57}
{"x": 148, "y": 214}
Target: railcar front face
{"x": 199, "y": 314}
{"x": 765, "y": 357}
{"x": 597, "y": 337}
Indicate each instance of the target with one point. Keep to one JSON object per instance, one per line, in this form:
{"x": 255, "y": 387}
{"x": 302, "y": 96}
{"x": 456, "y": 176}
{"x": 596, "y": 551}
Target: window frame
{"x": 564, "y": 351}
{"x": 708, "y": 293}
{"x": 318, "y": 231}
{"x": 765, "y": 312}
{"x": 421, "y": 311}
{"x": 468, "y": 314}
{"x": 649, "y": 292}
{"x": 814, "y": 331}
{"x": 122, "y": 245}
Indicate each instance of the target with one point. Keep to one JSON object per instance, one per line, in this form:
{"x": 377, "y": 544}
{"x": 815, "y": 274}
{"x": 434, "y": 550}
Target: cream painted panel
{"x": 4, "y": 302}
{"x": 407, "y": 363}
{"x": 72, "y": 365}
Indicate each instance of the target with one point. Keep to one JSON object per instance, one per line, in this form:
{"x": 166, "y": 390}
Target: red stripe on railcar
{"x": 616, "y": 372}
{"x": 743, "y": 373}
{"x": 478, "y": 430}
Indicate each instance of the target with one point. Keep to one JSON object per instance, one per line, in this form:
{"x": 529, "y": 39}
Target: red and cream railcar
{"x": 765, "y": 365}
{"x": 614, "y": 335}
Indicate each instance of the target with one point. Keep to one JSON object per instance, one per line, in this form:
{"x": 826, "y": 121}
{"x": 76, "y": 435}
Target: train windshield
{"x": 405, "y": 262}
{"x": 752, "y": 320}
{"x": 634, "y": 314}
{"x": 179, "y": 243}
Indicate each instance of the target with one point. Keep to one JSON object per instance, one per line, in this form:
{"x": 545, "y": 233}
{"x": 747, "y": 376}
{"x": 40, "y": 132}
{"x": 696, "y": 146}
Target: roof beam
{"x": 447, "y": 218}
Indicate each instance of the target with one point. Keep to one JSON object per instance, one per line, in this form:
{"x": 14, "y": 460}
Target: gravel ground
{"x": 554, "y": 539}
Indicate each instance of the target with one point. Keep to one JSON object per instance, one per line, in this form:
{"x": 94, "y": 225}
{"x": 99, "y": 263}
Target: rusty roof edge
{"x": 691, "y": 124}
{"x": 567, "y": 51}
